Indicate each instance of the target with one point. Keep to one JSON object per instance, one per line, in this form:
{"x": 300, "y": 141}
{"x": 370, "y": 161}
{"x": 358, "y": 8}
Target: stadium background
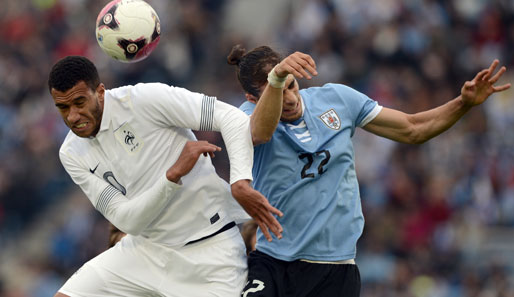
{"x": 439, "y": 216}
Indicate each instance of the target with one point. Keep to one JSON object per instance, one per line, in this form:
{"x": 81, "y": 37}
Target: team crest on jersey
{"x": 331, "y": 119}
{"x": 126, "y": 135}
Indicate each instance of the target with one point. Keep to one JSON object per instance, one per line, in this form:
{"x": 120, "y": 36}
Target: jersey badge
{"x": 128, "y": 139}
{"x": 331, "y": 119}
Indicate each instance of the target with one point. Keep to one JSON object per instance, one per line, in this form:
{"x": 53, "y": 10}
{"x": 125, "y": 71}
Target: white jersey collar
{"x": 303, "y": 105}
{"x": 106, "y": 114}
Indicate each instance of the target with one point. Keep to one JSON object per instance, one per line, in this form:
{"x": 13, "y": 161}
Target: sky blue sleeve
{"x": 247, "y": 107}
{"x": 358, "y": 104}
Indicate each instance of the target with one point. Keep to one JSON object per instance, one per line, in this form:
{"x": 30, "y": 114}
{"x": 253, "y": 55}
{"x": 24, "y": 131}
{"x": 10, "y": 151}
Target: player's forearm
{"x": 234, "y": 126}
{"x": 265, "y": 117}
{"x": 433, "y": 122}
{"x": 416, "y": 128}
{"x": 134, "y": 215}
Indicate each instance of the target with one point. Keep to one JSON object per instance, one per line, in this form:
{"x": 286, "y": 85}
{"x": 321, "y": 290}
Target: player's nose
{"x": 73, "y": 116}
{"x": 289, "y": 100}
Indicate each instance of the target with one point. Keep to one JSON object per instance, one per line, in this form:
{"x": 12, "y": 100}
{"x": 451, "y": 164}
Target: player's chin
{"x": 85, "y": 133}
{"x": 290, "y": 116}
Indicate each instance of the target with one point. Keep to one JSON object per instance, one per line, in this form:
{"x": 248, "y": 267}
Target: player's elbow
{"x": 415, "y": 136}
{"x": 260, "y": 139}
{"x": 125, "y": 221}
{"x": 260, "y": 135}
{"x": 413, "y": 132}
{"x": 418, "y": 140}
{"x": 130, "y": 228}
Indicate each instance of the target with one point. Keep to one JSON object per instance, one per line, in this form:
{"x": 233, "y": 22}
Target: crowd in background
{"x": 439, "y": 216}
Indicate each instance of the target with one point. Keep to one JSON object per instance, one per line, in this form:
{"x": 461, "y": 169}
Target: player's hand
{"x": 476, "y": 91}
{"x": 298, "y": 64}
{"x": 258, "y": 207}
{"x": 188, "y": 158}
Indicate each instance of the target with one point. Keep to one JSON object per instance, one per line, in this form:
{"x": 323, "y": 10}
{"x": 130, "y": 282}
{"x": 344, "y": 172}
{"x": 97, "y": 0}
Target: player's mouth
{"x": 80, "y": 127}
{"x": 290, "y": 111}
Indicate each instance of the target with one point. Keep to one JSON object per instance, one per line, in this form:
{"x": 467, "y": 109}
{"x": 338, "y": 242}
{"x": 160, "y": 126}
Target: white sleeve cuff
{"x": 371, "y": 115}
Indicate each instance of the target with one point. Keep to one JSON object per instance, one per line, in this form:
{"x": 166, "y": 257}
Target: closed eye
{"x": 79, "y": 101}
{"x": 61, "y": 106}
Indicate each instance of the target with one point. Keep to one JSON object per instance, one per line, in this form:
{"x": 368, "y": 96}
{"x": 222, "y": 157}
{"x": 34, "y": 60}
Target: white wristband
{"x": 275, "y": 81}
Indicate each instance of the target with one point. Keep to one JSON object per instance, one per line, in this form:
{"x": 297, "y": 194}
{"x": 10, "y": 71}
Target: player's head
{"x": 78, "y": 94}
{"x": 252, "y": 72}
{"x": 253, "y": 67}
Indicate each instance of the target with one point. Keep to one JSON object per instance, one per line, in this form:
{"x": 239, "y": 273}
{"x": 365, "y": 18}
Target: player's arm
{"x": 133, "y": 215}
{"x": 171, "y": 106}
{"x": 422, "y": 126}
{"x": 168, "y": 106}
{"x": 234, "y": 126}
{"x": 265, "y": 117}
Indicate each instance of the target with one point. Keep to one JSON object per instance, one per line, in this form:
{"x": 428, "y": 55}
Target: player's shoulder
{"x": 121, "y": 92}
{"x": 331, "y": 92}
{"x": 126, "y": 97}
{"x": 149, "y": 93}
{"x": 247, "y": 107}
{"x": 329, "y": 87}
{"x": 158, "y": 87}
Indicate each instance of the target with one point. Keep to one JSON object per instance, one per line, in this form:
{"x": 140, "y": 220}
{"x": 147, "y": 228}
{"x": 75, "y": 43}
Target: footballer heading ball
{"x": 128, "y": 30}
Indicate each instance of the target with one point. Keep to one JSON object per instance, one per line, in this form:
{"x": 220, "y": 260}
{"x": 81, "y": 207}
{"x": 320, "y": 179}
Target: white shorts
{"x": 137, "y": 267}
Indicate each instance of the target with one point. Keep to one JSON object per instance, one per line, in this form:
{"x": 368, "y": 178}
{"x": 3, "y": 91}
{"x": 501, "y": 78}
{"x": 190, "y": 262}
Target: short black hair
{"x": 69, "y": 71}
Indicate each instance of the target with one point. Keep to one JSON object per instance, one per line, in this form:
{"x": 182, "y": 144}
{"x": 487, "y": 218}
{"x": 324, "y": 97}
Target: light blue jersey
{"x": 307, "y": 171}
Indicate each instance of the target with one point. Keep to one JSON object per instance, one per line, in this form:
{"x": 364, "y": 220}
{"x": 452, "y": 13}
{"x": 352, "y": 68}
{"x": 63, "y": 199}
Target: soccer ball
{"x": 128, "y": 30}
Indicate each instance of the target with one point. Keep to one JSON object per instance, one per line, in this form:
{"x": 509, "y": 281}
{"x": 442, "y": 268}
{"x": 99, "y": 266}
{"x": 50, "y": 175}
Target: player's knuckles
{"x": 303, "y": 62}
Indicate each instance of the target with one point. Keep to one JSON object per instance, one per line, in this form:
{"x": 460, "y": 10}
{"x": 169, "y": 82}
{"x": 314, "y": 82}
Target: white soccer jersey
{"x": 142, "y": 133}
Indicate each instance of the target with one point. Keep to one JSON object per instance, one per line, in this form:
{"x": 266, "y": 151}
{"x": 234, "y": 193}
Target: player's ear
{"x": 251, "y": 98}
{"x": 101, "y": 91}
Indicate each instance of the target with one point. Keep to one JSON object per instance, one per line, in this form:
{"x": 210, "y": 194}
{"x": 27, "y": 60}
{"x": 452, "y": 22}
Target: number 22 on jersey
{"x": 320, "y": 158}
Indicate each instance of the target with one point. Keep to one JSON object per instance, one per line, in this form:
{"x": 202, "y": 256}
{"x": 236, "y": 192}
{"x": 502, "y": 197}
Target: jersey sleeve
{"x": 247, "y": 107}
{"x": 234, "y": 126}
{"x": 131, "y": 216}
{"x": 173, "y": 106}
{"x": 361, "y": 108}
